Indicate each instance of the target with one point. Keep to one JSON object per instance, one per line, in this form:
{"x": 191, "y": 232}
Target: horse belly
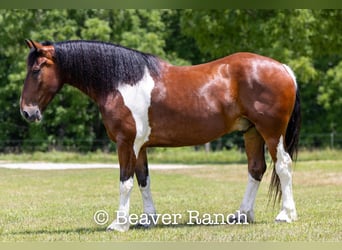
{"x": 186, "y": 129}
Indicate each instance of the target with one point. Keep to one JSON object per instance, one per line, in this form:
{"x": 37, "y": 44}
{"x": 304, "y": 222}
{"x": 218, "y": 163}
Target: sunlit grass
{"x": 59, "y": 205}
{"x": 184, "y": 155}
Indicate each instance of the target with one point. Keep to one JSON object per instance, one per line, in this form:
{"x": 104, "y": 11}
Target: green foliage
{"x": 330, "y": 96}
{"x": 307, "y": 40}
{"x": 96, "y": 29}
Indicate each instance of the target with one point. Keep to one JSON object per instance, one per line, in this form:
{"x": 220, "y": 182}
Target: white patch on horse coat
{"x": 138, "y": 99}
{"x": 125, "y": 193}
{"x": 291, "y": 73}
{"x": 283, "y": 169}
{"x": 207, "y": 91}
{"x": 247, "y": 205}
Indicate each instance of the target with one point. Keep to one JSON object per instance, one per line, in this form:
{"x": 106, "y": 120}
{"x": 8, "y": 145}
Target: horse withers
{"x": 147, "y": 102}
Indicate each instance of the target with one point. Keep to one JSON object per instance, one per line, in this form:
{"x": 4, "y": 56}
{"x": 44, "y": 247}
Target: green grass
{"x": 59, "y": 205}
{"x": 184, "y": 155}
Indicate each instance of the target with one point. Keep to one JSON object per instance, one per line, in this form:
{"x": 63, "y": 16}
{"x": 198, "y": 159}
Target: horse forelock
{"x": 32, "y": 57}
{"x": 34, "y": 53}
{"x": 103, "y": 66}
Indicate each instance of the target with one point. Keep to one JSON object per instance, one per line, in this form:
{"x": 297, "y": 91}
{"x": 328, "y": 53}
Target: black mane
{"x": 103, "y": 66}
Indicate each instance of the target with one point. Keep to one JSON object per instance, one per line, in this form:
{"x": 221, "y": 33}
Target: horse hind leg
{"x": 254, "y": 145}
{"x": 283, "y": 169}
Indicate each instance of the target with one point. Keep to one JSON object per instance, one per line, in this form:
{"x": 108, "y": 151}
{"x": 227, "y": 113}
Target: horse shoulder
{"x": 116, "y": 117}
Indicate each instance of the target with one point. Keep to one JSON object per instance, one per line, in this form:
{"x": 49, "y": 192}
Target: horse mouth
{"x": 31, "y": 114}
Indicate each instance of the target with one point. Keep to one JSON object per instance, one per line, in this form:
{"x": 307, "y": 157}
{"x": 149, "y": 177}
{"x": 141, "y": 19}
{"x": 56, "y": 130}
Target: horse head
{"x": 42, "y": 80}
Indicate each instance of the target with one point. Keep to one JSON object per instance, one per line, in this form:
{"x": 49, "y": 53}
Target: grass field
{"x": 184, "y": 155}
{"x": 59, "y": 205}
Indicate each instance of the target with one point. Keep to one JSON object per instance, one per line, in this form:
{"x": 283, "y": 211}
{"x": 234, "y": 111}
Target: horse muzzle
{"x": 31, "y": 113}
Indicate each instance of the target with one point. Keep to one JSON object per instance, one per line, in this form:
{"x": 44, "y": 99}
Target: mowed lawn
{"x": 59, "y": 205}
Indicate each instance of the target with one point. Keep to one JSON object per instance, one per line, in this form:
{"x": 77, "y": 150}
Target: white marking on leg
{"x": 291, "y": 73}
{"x": 247, "y": 205}
{"x": 283, "y": 169}
{"x": 148, "y": 204}
{"x": 138, "y": 99}
{"x": 121, "y": 224}
{"x": 147, "y": 198}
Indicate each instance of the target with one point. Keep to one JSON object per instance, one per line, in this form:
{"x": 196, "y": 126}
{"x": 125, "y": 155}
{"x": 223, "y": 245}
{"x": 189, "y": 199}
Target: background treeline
{"x": 310, "y": 41}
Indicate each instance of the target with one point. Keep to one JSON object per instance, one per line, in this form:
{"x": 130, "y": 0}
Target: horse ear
{"x": 37, "y": 46}
{"x": 32, "y": 44}
{"x": 47, "y": 51}
{"x": 29, "y": 43}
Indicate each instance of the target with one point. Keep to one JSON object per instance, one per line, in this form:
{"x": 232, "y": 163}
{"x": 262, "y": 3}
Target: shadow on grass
{"x": 188, "y": 225}
{"x": 92, "y": 230}
{"x": 81, "y": 230}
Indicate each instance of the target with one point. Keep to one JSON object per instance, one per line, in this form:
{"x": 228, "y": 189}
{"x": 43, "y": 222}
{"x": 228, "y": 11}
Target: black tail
{"x": 291, "y": 143}
{"x": 293, "y": 129}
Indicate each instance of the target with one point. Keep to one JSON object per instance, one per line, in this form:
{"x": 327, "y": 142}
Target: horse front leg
{"x": 127, "y": 162}
{"x": 143, "y": 178}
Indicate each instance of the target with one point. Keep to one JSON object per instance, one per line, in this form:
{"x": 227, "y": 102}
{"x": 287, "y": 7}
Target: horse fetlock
{"x": 120, "y": 226}
{"x": 287, "y": 215}
{"x": 250, "y": 216}
{"x": 242, "y": 217}
{"x": 150, "y": 222}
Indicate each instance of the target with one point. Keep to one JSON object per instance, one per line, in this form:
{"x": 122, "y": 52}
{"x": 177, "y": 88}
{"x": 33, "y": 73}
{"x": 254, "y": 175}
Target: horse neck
{"x": 87, "y": 90}
{"x": 98, "y": 74}
{"x": 75, "y": 77}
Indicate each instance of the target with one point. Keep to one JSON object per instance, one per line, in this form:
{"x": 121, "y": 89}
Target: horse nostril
{"x": 26, "y": 114}
{"x": 31, "y": 114}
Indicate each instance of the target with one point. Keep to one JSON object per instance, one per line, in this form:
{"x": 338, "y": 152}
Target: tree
{"x": 14, "y": 25}
{"x": 307, "y": 40}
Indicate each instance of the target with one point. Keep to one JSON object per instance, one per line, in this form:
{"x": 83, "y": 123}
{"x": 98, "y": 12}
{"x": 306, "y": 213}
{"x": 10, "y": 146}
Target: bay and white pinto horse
{"x": 146, "y": 102}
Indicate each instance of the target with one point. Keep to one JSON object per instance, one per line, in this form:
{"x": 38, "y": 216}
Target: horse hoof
{"x": 286, "y": 216}
{"x": 143, "y": 226}
{"x": 150, "y": 222}
{"x": 241, "y": 218}
{"x": 116, "y": 226}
